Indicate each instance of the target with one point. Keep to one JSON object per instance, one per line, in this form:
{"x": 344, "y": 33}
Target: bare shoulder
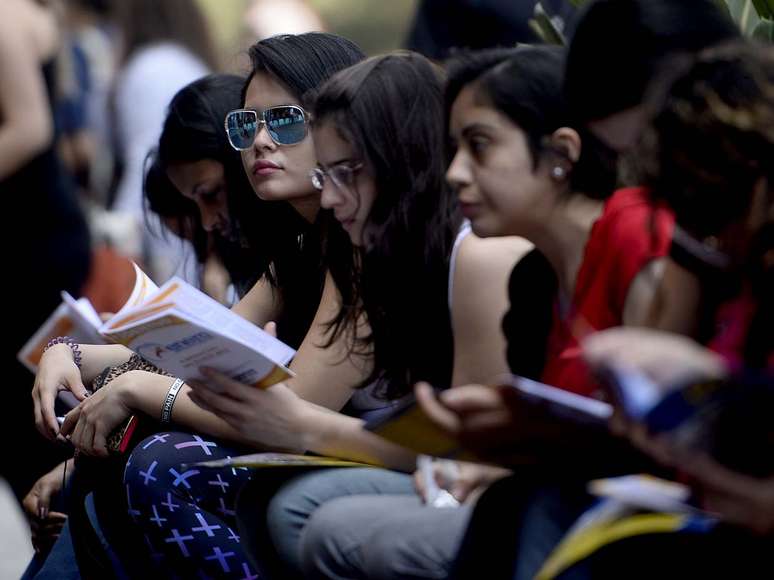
{"x": 36, "y": 24}
{"x": 486, "y": 256}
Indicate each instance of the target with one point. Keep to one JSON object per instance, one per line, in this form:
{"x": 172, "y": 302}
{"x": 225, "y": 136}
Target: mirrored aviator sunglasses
{"x": 286, "y": 125}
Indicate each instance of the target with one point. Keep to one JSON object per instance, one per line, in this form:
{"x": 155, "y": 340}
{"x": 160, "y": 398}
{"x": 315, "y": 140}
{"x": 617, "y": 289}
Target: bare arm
{"x": 26, "y": 127}
{"x": 643, "y": 293}
{"x": 326, "y": 376}
{"x": 260, "y": 305}
{"x": 480, "y": 300}
{"x": 675, "y": 305}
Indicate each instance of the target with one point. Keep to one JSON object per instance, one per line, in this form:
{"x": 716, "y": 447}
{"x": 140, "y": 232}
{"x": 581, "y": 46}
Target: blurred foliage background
{"x": 377, "y": 26}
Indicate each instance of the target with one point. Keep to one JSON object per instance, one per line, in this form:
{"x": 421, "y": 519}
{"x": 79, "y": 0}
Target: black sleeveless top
{"x": 53, "y": 240}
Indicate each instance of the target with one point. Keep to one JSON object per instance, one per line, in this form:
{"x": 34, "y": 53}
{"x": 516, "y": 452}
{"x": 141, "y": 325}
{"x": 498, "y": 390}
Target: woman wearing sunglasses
{"x": 289, "y": 294}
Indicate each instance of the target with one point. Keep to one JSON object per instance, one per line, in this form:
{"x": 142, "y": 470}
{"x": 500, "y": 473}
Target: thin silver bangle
{"x": 169, "y": 401}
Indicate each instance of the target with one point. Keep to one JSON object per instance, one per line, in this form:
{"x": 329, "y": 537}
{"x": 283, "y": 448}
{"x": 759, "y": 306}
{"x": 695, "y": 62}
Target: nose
{"x": 458, "y": 174}
{"x": 330, "y": 196}
{"x": 262, "y": 138}
{"x": 210, "y": 219}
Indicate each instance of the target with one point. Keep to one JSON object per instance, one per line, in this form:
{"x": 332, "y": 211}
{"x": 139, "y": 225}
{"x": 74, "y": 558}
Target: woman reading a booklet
{"x": 287, "y": 293}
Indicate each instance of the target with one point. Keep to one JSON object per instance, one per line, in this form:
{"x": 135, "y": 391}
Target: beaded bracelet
{"x": 169, "y": 401}
{"x": 69, "y": 341}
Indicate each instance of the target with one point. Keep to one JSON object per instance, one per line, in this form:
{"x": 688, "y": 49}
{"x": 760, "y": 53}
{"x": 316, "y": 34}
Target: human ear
{"x": 567, "y": 143}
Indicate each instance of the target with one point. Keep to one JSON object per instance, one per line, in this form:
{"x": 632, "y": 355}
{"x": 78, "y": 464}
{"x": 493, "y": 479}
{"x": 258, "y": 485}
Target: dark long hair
{"x": 525, "y": 85}
{"x": 193, "y": 131}
{"x": 390, "y": 108}
{"x": 711, "y": 144}
{"x": 301, "y": 63}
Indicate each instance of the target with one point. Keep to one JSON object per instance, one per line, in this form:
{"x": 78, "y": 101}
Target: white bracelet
{"x": 169, "y": 401}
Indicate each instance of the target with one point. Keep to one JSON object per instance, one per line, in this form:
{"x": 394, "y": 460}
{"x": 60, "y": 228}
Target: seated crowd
{"x": 596, "y": 217}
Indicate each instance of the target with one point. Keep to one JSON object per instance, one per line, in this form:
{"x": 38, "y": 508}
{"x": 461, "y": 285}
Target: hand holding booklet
{"x": 180, "y": 329}
{"x": 412, "y": 429}
{"x": 79, "y": 320}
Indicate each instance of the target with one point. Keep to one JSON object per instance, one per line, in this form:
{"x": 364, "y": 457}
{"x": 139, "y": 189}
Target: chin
{"x": 484, "y": 230}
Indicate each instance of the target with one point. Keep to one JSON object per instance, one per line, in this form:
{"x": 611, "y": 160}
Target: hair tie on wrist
{"x": 69, "y": 341}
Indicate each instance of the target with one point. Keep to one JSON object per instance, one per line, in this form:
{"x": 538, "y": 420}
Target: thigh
{"x": 274, "y": 508}
{"x": 381, "y": 537}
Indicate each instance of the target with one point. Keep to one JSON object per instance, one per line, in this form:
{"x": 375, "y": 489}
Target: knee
{"x": 324, "y": 551}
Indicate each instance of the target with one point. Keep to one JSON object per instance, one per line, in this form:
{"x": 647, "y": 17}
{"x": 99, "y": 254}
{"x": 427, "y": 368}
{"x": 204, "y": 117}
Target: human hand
{"x": 90, "y": 424}
{"x": 495, "y": 423}
{"x": 667, "y": 359}
{"x": 57, "y": 372}
{"x": 271, "y": 417}
{"x": 45, "y": 525}
{"x": 739, "y": 499}
{"x": 463, "y": 479}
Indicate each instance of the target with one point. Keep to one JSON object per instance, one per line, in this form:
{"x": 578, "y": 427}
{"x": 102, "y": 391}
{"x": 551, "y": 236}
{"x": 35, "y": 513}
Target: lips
{"x": 265, "y": 167}
{"x": 469, "y": 210}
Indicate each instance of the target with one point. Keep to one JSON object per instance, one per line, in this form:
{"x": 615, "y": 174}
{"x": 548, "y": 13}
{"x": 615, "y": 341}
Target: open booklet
{"x": 258, "y": 460}
{"x": 412, "y": 429}
{"x": 79, "y": 319}
{"x": 180, "y": 329}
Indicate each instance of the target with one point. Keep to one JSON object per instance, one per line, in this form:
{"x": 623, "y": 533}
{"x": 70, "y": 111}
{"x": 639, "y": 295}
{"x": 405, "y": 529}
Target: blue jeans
{"x": 272, "y": 515}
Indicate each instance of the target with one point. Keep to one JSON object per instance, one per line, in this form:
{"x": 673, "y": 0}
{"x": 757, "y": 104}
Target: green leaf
{"x": 544, "y": 27}
{"x": 764, "y": 8}
{"x": 764, "y": 32}
{"x": 578, "y": 3}
{"x": 723, "y": 5}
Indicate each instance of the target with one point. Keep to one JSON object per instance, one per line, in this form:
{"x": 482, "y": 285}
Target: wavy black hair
{"x": 618, "y": 46}
{"x": 301, "y": 63}
{"x": 390, "y": 109}
{"x": 710, "y": 146}
{"x": 193, "y": 131}
{"x": 525, "y": 85}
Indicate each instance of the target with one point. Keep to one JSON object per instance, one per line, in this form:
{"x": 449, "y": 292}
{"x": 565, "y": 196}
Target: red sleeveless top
{"x": 631, "y": 232}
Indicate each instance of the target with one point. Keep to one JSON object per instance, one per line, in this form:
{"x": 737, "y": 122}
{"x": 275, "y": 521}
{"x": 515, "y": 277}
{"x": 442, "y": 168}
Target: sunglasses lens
{"x": 287, "y": 125}
{"x": 241, "y": 127}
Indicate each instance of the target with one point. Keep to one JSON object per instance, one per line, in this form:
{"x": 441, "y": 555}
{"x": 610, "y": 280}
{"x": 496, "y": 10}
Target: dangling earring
{"x": 558, "y": 172}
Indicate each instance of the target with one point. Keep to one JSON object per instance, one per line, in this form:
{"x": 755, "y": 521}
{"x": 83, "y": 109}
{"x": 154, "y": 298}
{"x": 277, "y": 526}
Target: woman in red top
{"x": 515, "y": 172}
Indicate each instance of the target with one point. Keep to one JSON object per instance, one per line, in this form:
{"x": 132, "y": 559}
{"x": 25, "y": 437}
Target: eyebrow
{"x": 203, "y": 185}
{"x": 473, "y": 127}
{"x": 339, "y": 162}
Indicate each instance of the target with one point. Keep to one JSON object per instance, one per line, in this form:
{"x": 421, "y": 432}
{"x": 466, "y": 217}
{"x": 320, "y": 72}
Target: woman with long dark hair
{"x": 268, "y": 239}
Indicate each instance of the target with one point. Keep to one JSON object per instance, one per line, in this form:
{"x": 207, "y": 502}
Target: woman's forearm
{"x": 326, "y": 432}
{"x": 96, "y": 357}
{"x": 148, "y": 392}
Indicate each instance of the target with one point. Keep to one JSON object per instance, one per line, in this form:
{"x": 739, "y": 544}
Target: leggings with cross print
{"x": 185, "y": 512}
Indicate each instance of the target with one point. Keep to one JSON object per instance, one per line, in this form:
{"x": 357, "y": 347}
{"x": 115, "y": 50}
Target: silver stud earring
{"x": 558, "y": 172}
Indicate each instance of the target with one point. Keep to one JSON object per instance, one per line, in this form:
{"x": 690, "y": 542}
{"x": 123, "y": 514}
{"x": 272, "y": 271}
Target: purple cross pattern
{"x": 205, "y": 527}
{"x": 180, "y": 541}
{"x": 220, "y": 483}
{"x": 182, "y": 477}
{"x": 170, "y": 504}
{"x": 221, "y": 557}
{"x": 248, "y": 575}
{"x": 156, "y": 519}
{"x": 158, "y": 438}
{"x": 148, "y": 475}
{"x": 198, "y": 442}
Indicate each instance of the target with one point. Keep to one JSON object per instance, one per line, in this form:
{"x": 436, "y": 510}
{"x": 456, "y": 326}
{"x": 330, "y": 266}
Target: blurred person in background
{"x": 165, "y": 45}
{"x": 51, "y": 249}
{"x": 441, "y": 26}
{"x": 265, "y": 18}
